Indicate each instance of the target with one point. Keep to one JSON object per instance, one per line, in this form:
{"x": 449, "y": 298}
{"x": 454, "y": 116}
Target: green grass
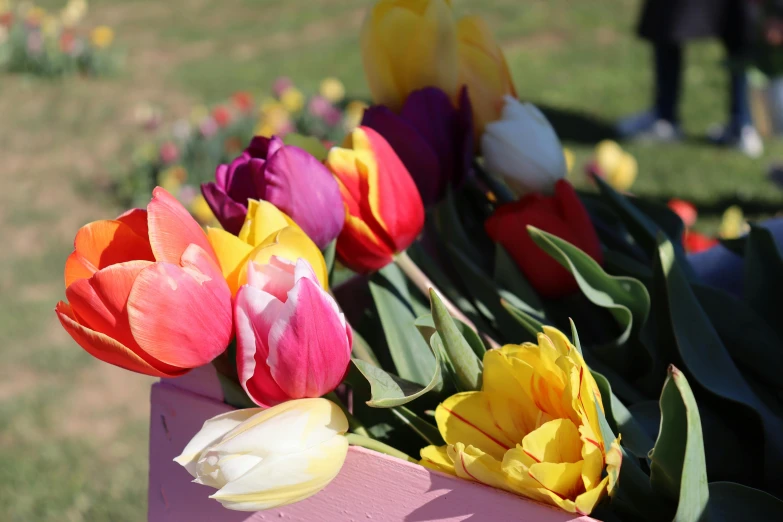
{"x": 71, "y": 445}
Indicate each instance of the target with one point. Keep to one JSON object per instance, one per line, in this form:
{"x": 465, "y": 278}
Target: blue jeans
{"x": 668, "y": 86}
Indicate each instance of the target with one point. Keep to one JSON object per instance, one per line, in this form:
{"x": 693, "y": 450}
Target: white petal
{"x": 284, "y": 479}
{"x": 213, "y": 430}
{"x": 275, "y": 277}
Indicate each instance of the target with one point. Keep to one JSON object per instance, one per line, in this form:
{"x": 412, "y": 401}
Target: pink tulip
{"x": 292, "y": 340}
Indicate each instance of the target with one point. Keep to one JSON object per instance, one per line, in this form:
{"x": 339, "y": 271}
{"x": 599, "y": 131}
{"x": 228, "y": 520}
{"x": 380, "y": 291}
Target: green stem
{"x": 424, "y": 283}
{"x": 380, "y": 447}
{"x": 354, "y": 424}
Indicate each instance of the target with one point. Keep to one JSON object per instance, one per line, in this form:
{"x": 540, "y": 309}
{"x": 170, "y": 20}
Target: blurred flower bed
{"x": 182, "y": 156}
{"x": 49, "y": 44}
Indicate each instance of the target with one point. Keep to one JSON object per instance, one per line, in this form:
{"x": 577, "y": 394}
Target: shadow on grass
{"x": 578, "y": 127}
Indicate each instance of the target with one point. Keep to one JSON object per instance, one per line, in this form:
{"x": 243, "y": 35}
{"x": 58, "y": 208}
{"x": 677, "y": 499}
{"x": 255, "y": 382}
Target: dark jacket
{"x": 678, "y": 21}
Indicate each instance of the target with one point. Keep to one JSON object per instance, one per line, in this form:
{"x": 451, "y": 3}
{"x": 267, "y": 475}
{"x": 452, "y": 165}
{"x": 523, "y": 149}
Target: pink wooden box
{"x": 371, "y": 487}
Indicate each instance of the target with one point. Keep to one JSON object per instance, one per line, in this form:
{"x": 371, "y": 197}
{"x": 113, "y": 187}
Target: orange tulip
{"x": 145, "y": 291}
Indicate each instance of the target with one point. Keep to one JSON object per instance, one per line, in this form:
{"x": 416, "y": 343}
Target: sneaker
{"x": 746, "y": 139}
{"x": 647, "y": 126}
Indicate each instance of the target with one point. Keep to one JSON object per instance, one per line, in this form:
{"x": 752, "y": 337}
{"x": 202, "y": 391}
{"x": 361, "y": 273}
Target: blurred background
{"x": 76, "y": 136}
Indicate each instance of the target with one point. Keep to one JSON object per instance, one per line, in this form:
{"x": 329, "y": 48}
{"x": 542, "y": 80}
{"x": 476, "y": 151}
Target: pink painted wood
{"x": 371, "y": 487}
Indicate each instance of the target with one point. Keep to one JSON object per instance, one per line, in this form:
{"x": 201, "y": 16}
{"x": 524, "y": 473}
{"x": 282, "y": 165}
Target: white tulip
{"x": 522, "y": 149}
{"x": 264, "y": 458}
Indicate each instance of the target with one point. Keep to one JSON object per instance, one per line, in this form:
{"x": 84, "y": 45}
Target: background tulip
{"x": 562, "y": 215}
{"x": 145, "y": 291}
{"x": 522, "y": 149}
{"x": 286, "y": 176}
{"x": 384, "y": 212}
{"x": 408, "y": 45}
{"x": 292, "y": 340}
{"x": 533, "y": 429}
{"x": 265, "y": 458}
{"x": 483, "y": 69}
{"x": 267, "y": 232}
{"x": 432, "y": 138}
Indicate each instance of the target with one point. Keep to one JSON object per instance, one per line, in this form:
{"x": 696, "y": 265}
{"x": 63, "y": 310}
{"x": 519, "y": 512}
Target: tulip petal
{"x": 103, "y": 243}
{"x": 555, "y": 441}
{"x": 230, "y": 213}
{"x": 360, "y": 249}
{"x": 584, "y": 235}
{"x": 108, "y": 350}
{"x": 284, "y": 479}
{"x": 472, "y": 463}
{"x": 309, "y": 352}
{"x": 319, "y": 214}
{"x": 254, "y": 313}
{"x": 100, "y": 301}
{"x": 263, "y": 220}
{"x": 586, "y": 502}
{"x": 172, "y": 229}
{"x": 501, "y": 381}
{"x": 463, "y": 418}
{"x": 276, "y": 277}
{"x": 291, "y": 243}
{"x": 182, "y": 315}
{"x": 211, "y": 432}
{"x": 136, "y": 218}
{"x": 232, "y": 254}
{"x": 563, "y": 479}
{"x": 437, "y": 458}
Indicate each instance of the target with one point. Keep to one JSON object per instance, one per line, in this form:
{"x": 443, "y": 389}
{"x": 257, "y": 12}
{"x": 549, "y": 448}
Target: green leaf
{"x": 730, "y": 502}
{"x": 426, "y": 326}
{"x": 329, "y": 253}
{"x": 452, "y": 231}
{"x": 411, "y": 354}
{"x": 487, "y": 298}
{"x": 575, "y": 337}
{"x": 528, "y": 322}
{"x": 678, "y": 468}
{"x": 747, "y": 337}
{"x": 633, "y": 498}
{"x": 687, "y": 328}
{"x": 509, "y": 277}
{"x": 388, "y": 390}
{"x": 424, "y": 429}
{"x": 626, "y": 298}
{"x": 361, "y": 350}
{"x": 763, "y": 282}
{"x": 622, "y": 421}
{"x": 468, "y": 368}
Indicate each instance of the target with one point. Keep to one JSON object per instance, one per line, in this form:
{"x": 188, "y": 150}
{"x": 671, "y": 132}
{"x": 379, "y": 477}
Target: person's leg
{"x": 739, "y": 99}
{"x": 668, "y": 80}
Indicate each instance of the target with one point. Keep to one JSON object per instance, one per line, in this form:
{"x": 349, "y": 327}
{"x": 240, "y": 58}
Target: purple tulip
{"x": 432, "y": 138}
{"x": 286, "y": 176}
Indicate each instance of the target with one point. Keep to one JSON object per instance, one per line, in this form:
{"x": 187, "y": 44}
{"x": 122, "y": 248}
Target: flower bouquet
{"x": 37, "y": 42}
{"x": 184, "y": 155}
{"x": 434, "y": 290}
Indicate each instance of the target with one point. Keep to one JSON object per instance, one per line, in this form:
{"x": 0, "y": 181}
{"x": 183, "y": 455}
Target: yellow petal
{"x": 564, "y": 479}
{"x": 263, "y": 219}
{"x": 232, "y": 254}
{"x": 608, "y": 155}
{"x": 593, "y": 465}
{"x": 466, "y": 417}
{"x": 290, "y": 243}
{"x": 561, "y": 343}
{"x": 473, "y": 464}
{"x": 586, "y": 502}
{"x": 555, "y": 441}
{"x": 437, "y": 458}
{"x": 501, "y": 382}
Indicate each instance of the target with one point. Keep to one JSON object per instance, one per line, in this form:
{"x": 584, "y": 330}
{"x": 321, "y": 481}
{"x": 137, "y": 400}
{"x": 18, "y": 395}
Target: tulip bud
{"x": 292, "y": 340}
{"x": 265, "y": 458}
{"x": 286, "y": 176}
{"x": 384, "y": 211}
{"x": 522, "y": 149}
{"x": 562, "y": 215}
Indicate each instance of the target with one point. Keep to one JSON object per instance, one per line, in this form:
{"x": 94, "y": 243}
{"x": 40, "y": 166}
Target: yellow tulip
{"x": 354, "y": 112}
{"x": 332, "y": 89}
{"x": 408, "y": 45}
{"x": 732, "y": 223}
{"x": 532, "y": 430}
{"x": 483, "y": 70}
{"x": 267, "y": 232}
{"x": 292, "y": 99}
{"x": 618, "y": 167}
{"x": 102, "y": 36}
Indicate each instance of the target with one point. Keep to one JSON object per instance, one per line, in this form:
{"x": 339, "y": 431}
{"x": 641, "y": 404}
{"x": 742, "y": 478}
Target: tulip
{"x": 383, "y": 209}
{"x": 286, "y": 176}
{"x": 266, "y": 458}
{"x": 483, "y": 69}
{"x": 562, "y": 215}
{"x": 408, "y": 45}
{"x": 533, "y": 429}
{"x": 267, "y": 232}
{"x": 432, "y": 138}
{"x": 292, "y": 340}
{"x": 145, "y": 291}
{"x": 522, "y": 149}
{"x": 616, "y": 166}
{"x": 685, "y": 210}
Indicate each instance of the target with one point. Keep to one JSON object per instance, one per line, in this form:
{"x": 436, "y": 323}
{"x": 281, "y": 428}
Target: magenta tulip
{"x": 292, "y": 340}
{"x": 286, "y": 176}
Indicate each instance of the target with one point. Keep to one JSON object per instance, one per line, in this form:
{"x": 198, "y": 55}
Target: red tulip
{"x": 562, "y": 215}
{"x": 145, "y": 291}
{"x": 695, "y": 242}
{"x": 685, "y": 210}
{"x": 384, "y": 211}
